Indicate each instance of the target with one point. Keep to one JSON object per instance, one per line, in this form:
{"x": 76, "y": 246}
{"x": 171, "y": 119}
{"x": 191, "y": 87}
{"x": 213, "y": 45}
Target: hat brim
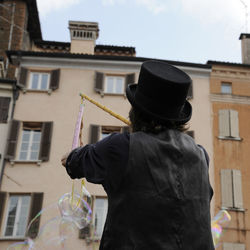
{"x": 183, "y": 117}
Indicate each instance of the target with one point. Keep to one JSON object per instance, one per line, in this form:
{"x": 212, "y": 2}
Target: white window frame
{"x": 107, "y": 77}
{"x": 225, "y": 86}
{"x": 17, "y": 216}
{"x": 30, "y": 142}
{"x": 104, "y": 215}
{"x": 40, "y": 74}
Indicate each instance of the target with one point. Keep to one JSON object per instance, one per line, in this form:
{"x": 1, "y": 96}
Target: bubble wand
{"x": 77, "y": 137}
{"x": 119, "y": 117}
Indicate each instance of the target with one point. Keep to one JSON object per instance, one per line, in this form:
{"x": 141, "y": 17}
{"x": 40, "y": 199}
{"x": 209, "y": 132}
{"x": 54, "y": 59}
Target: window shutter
{"x": 54, "y": 79}
{"x": 99, "y": 82}
{"x": 130, "y": 78}
{"x": 2, "y": 204}
{"x": 45, "y": 141}
{"x": 35, "y": 208}
{"x": 84, "y": 232}
{"x": 224, "y": 126}
{"x": 125, "y": 129}
{"x": 228, "y": 246}
{"x": 234, "y": 122}
{"x": 226, "y": 188}
{"x": 12, "y": 139}
{"x": 237, "y": 189}
{"x": 23, "y": 76}
{"x": 190, "y": 92}
{"x": 4, "y": 109}
{"x": 238, "y": 246}
{"x": 94, "y": 133}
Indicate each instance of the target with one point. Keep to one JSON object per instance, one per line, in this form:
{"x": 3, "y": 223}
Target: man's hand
{"x": 64, "y": 159}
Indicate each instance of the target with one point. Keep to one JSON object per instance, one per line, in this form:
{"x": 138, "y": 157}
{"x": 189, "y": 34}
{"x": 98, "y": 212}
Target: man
{"x": 156, "y": 178}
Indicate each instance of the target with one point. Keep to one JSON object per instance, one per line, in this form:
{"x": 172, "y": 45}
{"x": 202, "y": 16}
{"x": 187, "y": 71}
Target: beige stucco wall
{"x": 61, "y": 107}
{"x": 80, "y": 46}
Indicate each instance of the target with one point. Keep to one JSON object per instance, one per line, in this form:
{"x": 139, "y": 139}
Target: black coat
{"x": 163, "y": 201}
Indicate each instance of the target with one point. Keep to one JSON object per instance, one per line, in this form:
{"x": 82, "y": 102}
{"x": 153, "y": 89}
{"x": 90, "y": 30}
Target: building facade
{"x": 230, "y": 98}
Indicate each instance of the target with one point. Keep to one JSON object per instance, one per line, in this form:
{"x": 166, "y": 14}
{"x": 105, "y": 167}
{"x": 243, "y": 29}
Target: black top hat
{"x": 161, "y": 92}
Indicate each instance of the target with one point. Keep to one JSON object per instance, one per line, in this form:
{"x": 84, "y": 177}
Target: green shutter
{"x": 23, "y": 76}
{"x": 99, "y": 82}
{"x": 12, "y": 139}
{"x": 54, "y": 79}
{"x": 35, "y": 208}
{"x": 45, "y": 141}
{"x": 2, "y": 205}
{"x": 94, "y": 133}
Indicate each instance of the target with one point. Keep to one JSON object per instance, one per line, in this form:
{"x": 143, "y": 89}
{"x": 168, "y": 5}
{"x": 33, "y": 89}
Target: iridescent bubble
{"x": 218, "y": 225}
{"x": 55, "y": 233}
{"x": 59, "y": 223}
{"x": 75, "y": 208}
{"x": 25, "y": 245}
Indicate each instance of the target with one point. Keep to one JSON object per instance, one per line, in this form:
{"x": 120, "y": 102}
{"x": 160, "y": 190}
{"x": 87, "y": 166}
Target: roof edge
{"x": 100, "y": 57}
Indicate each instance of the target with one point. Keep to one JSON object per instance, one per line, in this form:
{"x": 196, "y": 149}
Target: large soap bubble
{"x": 218, "y": 225}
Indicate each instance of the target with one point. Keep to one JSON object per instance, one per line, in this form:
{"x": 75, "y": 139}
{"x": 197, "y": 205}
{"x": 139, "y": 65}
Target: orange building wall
{"x": 232, "y": 154}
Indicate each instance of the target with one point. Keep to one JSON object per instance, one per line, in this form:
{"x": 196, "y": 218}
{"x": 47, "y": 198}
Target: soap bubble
{"x": 218, "y": 225}
{"x": 76, "y": 209}
{"x": 19, "y": 246}
{"x": 59, "y": 223}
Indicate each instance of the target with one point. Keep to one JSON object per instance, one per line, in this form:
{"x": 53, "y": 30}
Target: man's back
{"x": 163, "y": 201}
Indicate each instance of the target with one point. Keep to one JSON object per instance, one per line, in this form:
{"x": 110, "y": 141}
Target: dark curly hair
{"x": 141, "y": 122}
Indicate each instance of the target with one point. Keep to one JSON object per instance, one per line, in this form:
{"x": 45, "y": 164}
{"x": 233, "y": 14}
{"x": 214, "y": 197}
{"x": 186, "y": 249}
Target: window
{"x": 39, "y": 80}
{"x": 4, "y": 109}
{"x": 98, "y": 132}
{"x": 17, "y": 215}
{"x": 228, "y": 124}
{"x": 33, "y": 80}
{"x": 233, "y": 246}
{"x": 226, "y": 88}
{"x": 100, "y": 213}
{"x": 231, "y": 189}
{"x": 112, "y": 84}
{"x": 31, "y": 140}
{"x": 16, "y": 212}
{"x": 30, "y": 145}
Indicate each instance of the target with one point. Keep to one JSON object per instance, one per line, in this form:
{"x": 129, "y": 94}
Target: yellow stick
{"x": 106, "y": 109}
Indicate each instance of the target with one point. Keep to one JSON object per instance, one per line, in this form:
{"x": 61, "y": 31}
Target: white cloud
{"x": 154, "y": 6}
{"x": 214, "y": 11}
{"x": 47, "y": 6}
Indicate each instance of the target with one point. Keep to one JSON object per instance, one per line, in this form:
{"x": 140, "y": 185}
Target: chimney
{"x": 83, "y": 36}
{"x": 245, "y": 48}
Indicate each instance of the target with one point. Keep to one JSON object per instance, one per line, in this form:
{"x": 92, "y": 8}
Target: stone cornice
{"x": 231, "y": 73}
{"x": 234, "y": 99}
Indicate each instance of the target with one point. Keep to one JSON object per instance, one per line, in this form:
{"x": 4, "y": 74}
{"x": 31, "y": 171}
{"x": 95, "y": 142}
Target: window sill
{"x": 14, "y": 238}
{"x": 230, "y": 138}
{"x": 233, "y": 209}
{"x": 13, "y": 162}
{"x": 48, "y": 91}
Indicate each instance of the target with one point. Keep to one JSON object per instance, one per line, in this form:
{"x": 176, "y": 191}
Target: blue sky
{"x": 181, "y": 30}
